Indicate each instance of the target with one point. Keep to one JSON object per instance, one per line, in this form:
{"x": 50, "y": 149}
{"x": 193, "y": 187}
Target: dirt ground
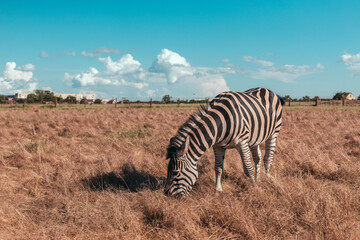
{"x": 99, "y": 173}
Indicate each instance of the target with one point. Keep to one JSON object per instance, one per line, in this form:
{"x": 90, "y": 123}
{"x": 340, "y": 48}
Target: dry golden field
{"x": 98, "y": 174}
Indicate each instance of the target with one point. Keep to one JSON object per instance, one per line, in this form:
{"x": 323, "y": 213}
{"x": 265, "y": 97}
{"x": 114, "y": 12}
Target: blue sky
{"x": 188, "y": 49}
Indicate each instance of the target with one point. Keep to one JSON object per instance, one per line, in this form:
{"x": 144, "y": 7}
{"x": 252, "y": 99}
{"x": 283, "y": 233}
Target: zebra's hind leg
{"x": 256, "y": 153}
{"x": 269, "y": 152}
{"x": 219, "y": 166}
{"x": 244, "y": 151}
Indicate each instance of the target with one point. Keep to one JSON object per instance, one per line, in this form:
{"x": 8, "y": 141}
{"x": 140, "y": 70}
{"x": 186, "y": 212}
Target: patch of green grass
{"x": 32, "y": 146}
{"x": 63, "y": 133}
{"x": 14, "y": 106}
{"x": 136, "y": 133}
{"x": 140, "y": 132}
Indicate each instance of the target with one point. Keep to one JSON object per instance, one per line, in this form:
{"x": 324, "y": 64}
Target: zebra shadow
{"x": 127, "y": 179}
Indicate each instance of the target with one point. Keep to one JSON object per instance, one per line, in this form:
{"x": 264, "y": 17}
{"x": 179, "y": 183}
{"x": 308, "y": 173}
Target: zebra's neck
{"x": 200, "y": 132}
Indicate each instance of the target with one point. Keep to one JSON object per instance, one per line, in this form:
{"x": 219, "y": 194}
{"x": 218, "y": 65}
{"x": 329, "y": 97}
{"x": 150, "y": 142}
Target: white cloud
{"x": 255, "y": 60}
{"x": 172, "y": 65}
{"x": 107, "y": 50}
{"x": 85, "y": 78}
{"x": 150, "y": 93}
{"x": 44, "y": 54}
{"x": 124, "y": 72}
{"x": 286, "y": 73}
{"x": 177, "y": 68}
{"x": 126, "y": 75}
{"x": 13, "y": 74}
{"x": 89, "y": 54}
{"x": 201, "y": 81}
{"x": 98, "y": 51}
{"x": 18, "y": 79}
{"x": 168, "y": 67}
{"x": 69, "y": 53}
{"x": 225, "y": 60}
{"x": 126, "y": 64}
{"x": 27, "y": 67}
{"x": 210, "y": 86}
{"x": 348, "y": 58}
{"x": 352, "y": 61}
{"x": 138, "y": 85}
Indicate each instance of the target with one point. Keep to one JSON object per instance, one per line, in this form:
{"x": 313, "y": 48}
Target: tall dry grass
{"x": 98, "y": 173}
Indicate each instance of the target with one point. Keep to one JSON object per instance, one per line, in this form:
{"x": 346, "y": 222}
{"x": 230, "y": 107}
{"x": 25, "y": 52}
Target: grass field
{"x": 99, "y": 173}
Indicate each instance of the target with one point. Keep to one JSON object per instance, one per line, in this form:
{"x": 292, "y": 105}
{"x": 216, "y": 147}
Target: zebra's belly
{"x": 235, "y": 142}
{"x": 232, "y": 144}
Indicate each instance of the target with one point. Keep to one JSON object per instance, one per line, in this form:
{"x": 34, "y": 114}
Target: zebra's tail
{"x": 281, "y": 100}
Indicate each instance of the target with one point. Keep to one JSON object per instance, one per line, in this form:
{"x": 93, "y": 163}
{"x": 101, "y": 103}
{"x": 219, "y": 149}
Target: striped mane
{"x": 184, "y": 130}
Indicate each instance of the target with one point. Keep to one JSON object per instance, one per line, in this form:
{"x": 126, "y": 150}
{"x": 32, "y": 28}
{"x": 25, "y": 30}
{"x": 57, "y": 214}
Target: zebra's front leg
{"x": 269, "y": 152}
{"x": 219, "y": 165}
{"x": 256, "y": 153}
{"x": 244, "y": 151}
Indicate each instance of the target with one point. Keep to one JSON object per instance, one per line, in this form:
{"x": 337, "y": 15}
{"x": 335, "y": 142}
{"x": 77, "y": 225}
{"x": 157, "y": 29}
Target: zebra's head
{"x": 182, "y": 173}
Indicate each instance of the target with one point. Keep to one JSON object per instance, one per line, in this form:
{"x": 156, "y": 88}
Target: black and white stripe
{"x": 241, "y": 120}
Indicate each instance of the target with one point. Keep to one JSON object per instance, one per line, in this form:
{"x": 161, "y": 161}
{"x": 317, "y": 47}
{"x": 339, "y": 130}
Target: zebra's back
{"x": 253, "y": 115}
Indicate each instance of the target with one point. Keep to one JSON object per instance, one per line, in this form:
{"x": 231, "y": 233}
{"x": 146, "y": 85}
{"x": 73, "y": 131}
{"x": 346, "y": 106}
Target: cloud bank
{"x": 18, "y": 78}
{"x": 171, "y": 73}
{"x": 284, "y": 73}
{"x": 169, "y": 67}
{"x": 351, "y": 61}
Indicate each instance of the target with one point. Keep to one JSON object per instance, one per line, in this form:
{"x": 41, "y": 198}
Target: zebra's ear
{"x": 184, "y": 147}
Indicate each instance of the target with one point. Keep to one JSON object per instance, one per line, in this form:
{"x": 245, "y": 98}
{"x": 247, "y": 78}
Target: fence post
{"x": 343, "y": 98}
{"x": 115, "y": 102}
{"x": 178, "y": 102}
{"x": 55, "y": 101}
{"x": 150, "y": 102}
{"x": 289, "y": 101}
{"x": 317, "y": 101}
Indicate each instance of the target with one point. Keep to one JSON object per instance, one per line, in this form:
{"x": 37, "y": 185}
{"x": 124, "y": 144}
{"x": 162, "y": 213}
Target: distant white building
{"x": 350, "y": 96}
{"x": 78, "y": 96}
{"x": 21, "y": 95}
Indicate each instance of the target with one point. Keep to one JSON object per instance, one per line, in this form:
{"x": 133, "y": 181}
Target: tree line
{"x": 42, "y": 96}
{"x": 337, "y": 96}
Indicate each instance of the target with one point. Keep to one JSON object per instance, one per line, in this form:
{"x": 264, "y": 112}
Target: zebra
{"x": 241, "y": 120}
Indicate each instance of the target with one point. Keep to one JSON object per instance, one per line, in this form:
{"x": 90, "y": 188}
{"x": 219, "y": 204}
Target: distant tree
{"x": 82, "y": 101}
{"x": 286, "y": 98}
{"x": 305, "y": 98}
{"x": 49, "y": 97}
{"x": 98, "y": 101}
{"x": 70, "y": 99}
{"x": 59, "y": 99}
{"x": 31, "y": 98}
{"x": 166, "y": 99}
{"x": 19, "y": 100}
{"x": 338, "y": 95}
{"x": 3, "y": 98}
{"x": 43, "y": 95}
{"x": 358, "y": 97}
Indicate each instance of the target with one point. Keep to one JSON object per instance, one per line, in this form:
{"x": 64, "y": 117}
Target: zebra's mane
{"x": 185, "y": 129}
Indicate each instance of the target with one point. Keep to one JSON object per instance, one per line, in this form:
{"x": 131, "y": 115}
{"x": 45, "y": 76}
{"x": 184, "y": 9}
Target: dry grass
{"x": 98, "y": 173}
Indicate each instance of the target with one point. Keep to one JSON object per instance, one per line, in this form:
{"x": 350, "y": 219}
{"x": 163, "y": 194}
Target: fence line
{"x": 342, "y": 102}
